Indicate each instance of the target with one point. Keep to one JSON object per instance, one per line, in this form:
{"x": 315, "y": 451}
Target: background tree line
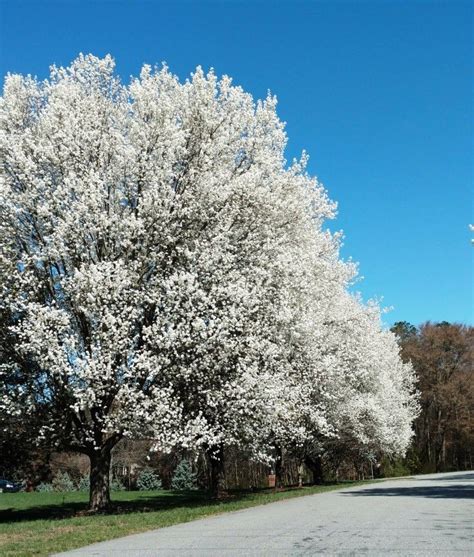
{"x": 442, "y": 356}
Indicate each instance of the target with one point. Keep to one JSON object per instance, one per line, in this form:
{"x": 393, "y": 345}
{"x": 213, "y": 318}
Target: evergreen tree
{"x": 184, "y": 478}
{"x": 148, "y": 480}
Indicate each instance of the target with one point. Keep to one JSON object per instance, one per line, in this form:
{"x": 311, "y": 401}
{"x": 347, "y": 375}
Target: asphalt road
{"x": 423, "y": 515}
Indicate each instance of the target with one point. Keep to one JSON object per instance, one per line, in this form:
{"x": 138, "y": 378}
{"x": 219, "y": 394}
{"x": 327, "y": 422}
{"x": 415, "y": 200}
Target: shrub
{"x": 394, "y": 468}
{"x": 148, "y": 480}
{"x": 116, "y": 485}
{"x": 84, "y": 483}
{"x": 44, "y": 487}
{"x": 184, "y": 478}
{"x": 62, "y": 482}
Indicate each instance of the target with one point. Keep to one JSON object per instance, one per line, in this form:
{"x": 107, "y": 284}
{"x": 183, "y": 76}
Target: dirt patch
{"x": 59, "y": 530}
{"x": 7, "y": 538}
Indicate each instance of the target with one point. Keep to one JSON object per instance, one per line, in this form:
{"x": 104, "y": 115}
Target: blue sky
{"x": 379, "y": 93}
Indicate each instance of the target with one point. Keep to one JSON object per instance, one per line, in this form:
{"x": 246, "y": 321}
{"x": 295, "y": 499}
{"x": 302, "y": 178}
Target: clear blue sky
{"x": 379, "y": 93}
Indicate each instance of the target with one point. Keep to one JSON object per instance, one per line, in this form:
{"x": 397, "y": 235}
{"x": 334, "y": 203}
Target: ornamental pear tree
{"x": 376, "y": 400}
{"x": 143, "y": 235}
{"x": 357, "y": 381}
{"x": 351, "y": 393}
{"x": 165, "y": 273}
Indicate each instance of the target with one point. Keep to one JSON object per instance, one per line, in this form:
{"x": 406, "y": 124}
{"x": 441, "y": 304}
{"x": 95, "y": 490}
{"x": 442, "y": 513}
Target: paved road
{"x": 424, "y": 515}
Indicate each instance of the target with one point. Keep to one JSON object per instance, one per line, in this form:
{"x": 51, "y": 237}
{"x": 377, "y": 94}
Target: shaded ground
{"x": 424, "y": 515}
{"x": 54, "y": 506}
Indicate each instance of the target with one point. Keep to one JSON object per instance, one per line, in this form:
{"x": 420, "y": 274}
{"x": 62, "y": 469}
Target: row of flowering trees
{"x": 165, "y": 273}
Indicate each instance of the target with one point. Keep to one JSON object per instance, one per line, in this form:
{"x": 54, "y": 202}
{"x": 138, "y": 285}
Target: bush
{"x": 44, "y": 487}
{"x": 84, "y": 483}
{"x": 116, "y": 485}
{"x": 412, "y": 460}
{"x": 148, "y": 480}
{"x": 184, "y": 478}
{"x": 63, "y": 483}
{"x": 394, "y": 468}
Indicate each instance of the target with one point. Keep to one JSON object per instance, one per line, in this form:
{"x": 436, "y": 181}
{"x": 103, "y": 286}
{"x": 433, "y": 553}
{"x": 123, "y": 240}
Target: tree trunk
{"x": 216, "y": 472}
{"x": 314, "y": 463}
{"x": 279, "y": 468}
{"x": 300, "y": 474}
{"x": 99, "y": 494}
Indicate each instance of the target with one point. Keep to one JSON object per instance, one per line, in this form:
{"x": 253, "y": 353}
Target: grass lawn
{"x": 44, "y": 523}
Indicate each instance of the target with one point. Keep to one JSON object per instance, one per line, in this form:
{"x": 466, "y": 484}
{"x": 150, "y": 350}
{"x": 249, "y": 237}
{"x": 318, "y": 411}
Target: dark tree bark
{"x": 99, "y": 494}
{"x": 278, "y": 468}
{"x": 216, "y": 472}
{"x": 315, "y": 465}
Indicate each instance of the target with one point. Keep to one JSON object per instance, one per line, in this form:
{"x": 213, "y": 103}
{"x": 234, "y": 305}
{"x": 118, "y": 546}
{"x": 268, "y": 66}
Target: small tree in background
{"x": 184, "y": 478}
{"x": 84, "y": 483}
{"x": 148, "y": 480}
{"x": 62, "y": 482}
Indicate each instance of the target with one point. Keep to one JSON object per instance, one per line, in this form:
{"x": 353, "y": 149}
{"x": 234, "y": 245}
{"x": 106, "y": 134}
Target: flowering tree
{"x": 166, "y": 274}
{"x": 370, "y": 398}
{"x": 350, "y": 393}
{"x": 378, "y": 411}
{"x": 143, "y": 234}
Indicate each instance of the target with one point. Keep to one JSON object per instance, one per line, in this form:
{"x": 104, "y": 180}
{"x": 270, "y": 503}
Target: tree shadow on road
{"x": 432, "y": 492}
{"x": 467, "y": 476}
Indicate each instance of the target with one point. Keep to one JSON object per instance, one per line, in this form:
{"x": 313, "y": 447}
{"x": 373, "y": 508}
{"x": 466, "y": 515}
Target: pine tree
{"x": 184, "y": 478}
{"x": 148, "y": 480}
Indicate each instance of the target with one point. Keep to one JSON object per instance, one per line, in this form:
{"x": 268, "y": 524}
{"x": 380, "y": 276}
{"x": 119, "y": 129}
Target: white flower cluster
{"x": 169, "y": 275}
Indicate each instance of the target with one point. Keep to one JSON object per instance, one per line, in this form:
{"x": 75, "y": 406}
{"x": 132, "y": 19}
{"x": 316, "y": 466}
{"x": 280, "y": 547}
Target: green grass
{"x": 45, "y": 523}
